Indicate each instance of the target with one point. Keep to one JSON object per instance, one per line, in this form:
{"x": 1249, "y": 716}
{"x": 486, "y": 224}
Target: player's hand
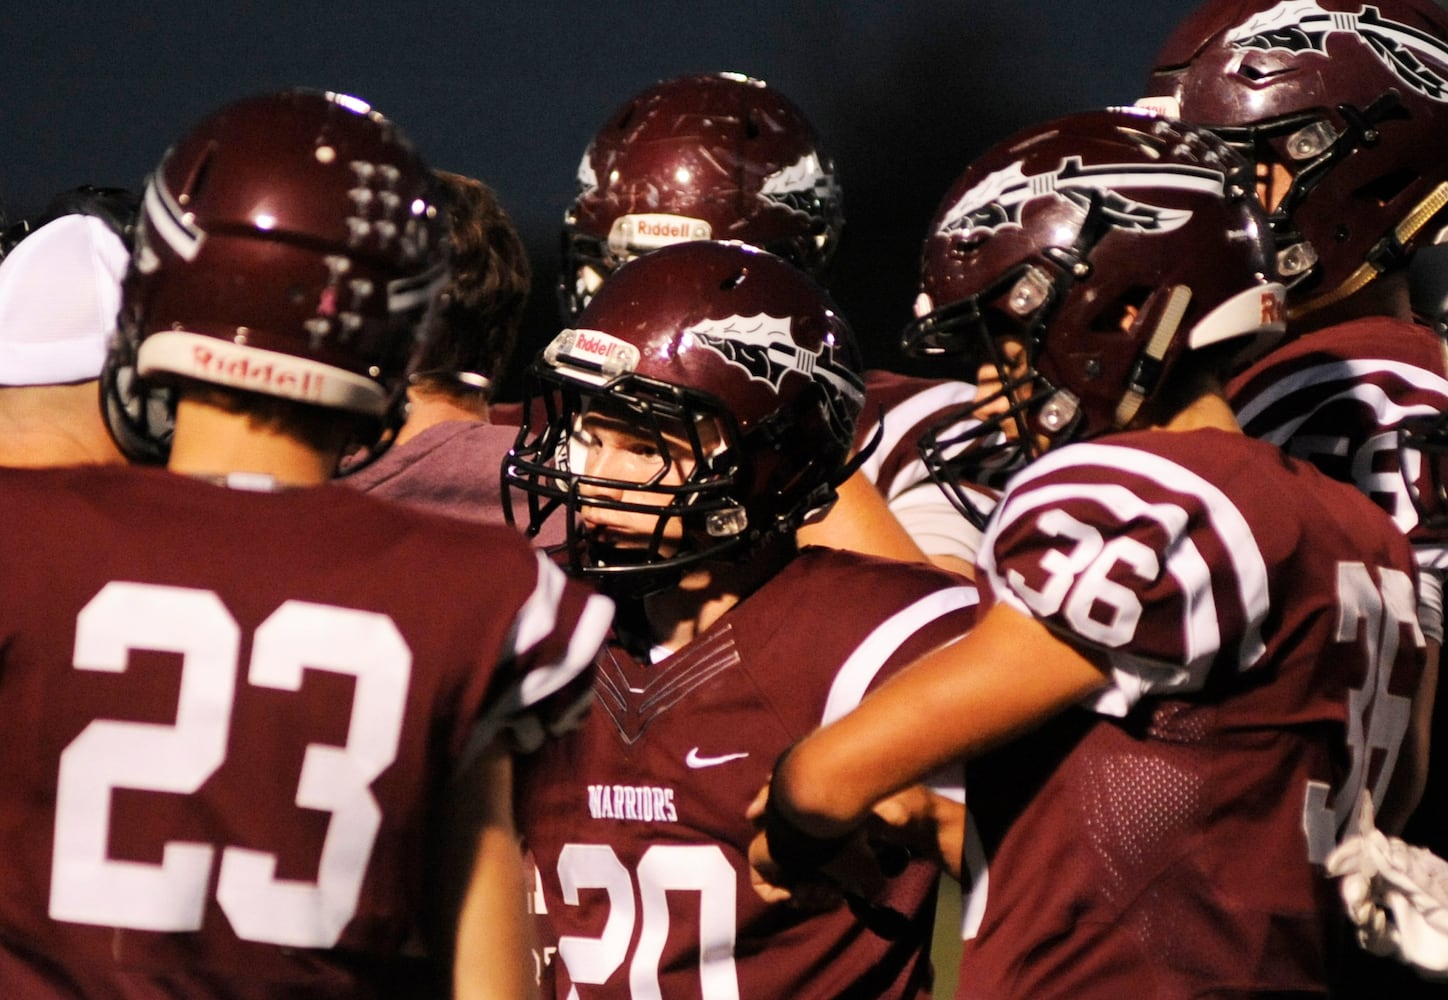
{"x": 1396, "y": 894}
{"x": 919, "y": 823}
{"x": 855, "y": 871}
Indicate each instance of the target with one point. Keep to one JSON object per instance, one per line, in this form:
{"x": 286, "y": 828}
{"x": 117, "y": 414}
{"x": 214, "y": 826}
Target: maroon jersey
{"x": 239, "y": 713}
{"x": 1335, "y": 398}
{"x": 637, "y": 821}
{"x": 1257, "y": 624}
{"x": 452, "y": 468}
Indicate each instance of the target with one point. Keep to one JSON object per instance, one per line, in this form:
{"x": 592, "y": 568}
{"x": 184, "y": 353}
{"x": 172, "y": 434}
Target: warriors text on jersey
{"x": 240, "y": 709}
{"x": 1257, "y": 624}
{"x": 637, "y": 821}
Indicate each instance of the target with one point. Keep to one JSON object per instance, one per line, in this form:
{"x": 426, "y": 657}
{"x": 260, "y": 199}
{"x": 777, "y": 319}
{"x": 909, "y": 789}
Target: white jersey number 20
{"x": 664, "y": 868}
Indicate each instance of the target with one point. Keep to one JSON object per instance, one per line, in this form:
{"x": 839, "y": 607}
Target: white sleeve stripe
{"x": 537, "y": 619}
{"x": 903, "y": 416}
{"x": 539, "y": 612}
{"x": 853, "y": 679}
{"x": 1186, "y": 563}
{"x": 1431, "y": 556}
{"x": 1353, "y": 371}
{"x": 593, "y": 624}
{"x": 1388, "y": 412}
{"x": 909, "y": 476}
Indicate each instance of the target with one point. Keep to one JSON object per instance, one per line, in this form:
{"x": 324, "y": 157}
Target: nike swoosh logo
{"x": 693, "y": 759}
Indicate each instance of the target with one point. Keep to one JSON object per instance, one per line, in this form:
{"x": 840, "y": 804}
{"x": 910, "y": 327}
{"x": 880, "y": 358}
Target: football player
{"x": 1182, "y": 627}
{"x": 60, "y": 291}
{"x": 246, "y": 714}
{"x": 448, "y": 450}
{"x": 725, "y": 156}
{"x": 701, "y": 408}
{"x": 1342, "y": 106}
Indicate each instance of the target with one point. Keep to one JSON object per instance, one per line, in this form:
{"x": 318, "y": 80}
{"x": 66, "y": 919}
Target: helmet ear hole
{"x": 1121, "y": 315}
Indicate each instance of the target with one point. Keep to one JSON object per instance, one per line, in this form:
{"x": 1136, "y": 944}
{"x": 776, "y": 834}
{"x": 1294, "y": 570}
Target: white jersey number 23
{"x": 89, "y": 887}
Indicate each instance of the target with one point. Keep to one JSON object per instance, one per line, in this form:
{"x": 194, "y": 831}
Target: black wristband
{"x": 793, "y": 849}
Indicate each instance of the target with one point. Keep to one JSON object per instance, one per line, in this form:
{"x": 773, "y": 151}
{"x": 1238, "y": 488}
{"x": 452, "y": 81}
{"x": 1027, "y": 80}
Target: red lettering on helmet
{"x": 593, "y": 345}
{"x": 668, "y": 230}
{"x": 247, "y": 373}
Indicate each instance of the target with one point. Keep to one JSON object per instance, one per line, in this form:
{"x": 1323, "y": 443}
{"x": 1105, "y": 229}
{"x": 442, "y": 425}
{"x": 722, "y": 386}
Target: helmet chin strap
{"x": 1388, "y": 249}
{"x": 1146, "y": 373}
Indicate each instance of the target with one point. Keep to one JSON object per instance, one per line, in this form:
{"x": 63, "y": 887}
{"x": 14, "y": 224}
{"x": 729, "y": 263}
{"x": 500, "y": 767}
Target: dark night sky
{"x": 903, "y": 93}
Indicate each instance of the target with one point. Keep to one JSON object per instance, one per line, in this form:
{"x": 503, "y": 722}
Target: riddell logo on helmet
{"x": 653, "y": 230}
{"x": 663, "y": 230}
{"x": 246, "y": 372}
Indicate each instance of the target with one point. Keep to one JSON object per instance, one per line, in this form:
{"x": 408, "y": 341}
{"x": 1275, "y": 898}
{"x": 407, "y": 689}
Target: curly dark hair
{"x": 476, "y": 324}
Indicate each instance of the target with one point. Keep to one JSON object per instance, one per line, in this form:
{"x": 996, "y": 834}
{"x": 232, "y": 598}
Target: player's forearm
{"x": 494, "y": 943}
{"x": 1003, "y": 679}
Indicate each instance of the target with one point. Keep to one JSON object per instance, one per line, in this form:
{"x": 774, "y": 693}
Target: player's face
{"x": 992, "y": 379}
{"x": 612, "y": 444}
{"x": 1273, "y": 181}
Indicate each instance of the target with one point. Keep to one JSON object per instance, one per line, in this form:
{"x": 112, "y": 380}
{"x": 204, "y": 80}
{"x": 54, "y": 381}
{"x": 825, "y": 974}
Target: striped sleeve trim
{"x": 854, "y": 678}
{"x": 1185, "y": 562}
{"x": 1354, "y": 375}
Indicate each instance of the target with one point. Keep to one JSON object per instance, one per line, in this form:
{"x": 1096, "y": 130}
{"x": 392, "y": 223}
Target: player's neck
{"x": 682, "y": 613}
{"x": 51, "y": 425}
{"x": 427, "y": 409}
{"x": 212, "y": 442}
{"x": 1208, "y": 411}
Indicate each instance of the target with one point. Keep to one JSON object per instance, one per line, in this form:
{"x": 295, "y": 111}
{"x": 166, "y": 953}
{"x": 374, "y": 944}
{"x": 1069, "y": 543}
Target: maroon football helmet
{"x": 290, "y": 245}
{"x": 1106, "y": 244}
{"x": 720, "y": 157}
{"x": 730, "y": 347}
{"x": 1351, "y": 97}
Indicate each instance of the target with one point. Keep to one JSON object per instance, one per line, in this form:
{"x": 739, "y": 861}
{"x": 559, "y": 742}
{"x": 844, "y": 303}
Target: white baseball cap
{"x": 60, "y": 292}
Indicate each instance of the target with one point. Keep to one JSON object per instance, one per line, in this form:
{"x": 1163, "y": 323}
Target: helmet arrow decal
{"x": 762, "y": 346}
{"x": 996, "y": 202}
{"x": 1303, "y": 26}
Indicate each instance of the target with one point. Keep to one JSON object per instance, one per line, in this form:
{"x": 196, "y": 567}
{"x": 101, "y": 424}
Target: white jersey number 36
{"x": 89, "y": 887}
{"x": 1374, "y": 616}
